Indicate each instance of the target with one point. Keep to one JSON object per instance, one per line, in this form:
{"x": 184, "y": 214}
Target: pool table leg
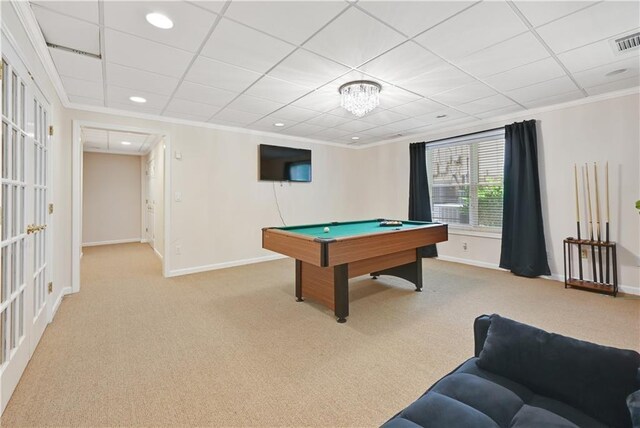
{"x": 411, "y": 271}
{"x": 299, "y": 281}
{"x": 341, "y": 292}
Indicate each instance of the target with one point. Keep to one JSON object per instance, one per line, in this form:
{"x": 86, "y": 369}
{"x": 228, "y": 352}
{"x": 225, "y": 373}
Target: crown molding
{"x": 30, "y": 24}
{"x": 116, "y": 152}
{"x": 507, "y": 117}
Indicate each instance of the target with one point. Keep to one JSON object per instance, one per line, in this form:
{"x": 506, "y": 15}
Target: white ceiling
{"x": 253, "y": 63}
{"x": 109, "y": 141}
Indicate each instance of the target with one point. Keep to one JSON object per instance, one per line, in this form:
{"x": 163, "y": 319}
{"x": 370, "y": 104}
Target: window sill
{"x": 481, "y": 233}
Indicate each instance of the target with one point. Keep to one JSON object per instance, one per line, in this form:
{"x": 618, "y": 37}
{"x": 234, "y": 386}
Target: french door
{"x": 24, "y": 267}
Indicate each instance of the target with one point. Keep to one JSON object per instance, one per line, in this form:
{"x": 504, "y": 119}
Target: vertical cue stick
{"x": 598, "y": 223}
{"x": 575, "y": 176}
{"x": 593, "y": 254}
{"x": 606, "y": 183}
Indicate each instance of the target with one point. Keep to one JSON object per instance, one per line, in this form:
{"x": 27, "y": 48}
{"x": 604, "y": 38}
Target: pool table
{"x": 326, "y": 259}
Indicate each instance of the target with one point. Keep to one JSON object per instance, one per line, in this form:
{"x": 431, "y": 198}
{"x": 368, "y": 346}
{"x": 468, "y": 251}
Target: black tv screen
{"x": 284, "y": 164}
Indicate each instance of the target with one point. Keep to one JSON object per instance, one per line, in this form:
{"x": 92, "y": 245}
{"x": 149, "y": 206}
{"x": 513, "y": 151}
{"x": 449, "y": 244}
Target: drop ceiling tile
{"x": 486, "y": 104}
{"x": 367, "y": 38}
{"x": 525, "y": 75}
{"x": 598, "y": 75}
{"x": 292, "y": 21}
{"x": 95, "y": 136}
{"x": 86, "y": 10}
{"x": 402, "y": 63}
{"x": 204, "y": 94}
{"x": 78, "y": 66}
{"x": 127, "y": 77}
{"x": 436, "y": 81}
{"x": 183, "y": 116}
{"x": 559, "y": 85}
{"x": 242, "y": 46}
{"x": 464, "y": 94}
{"x": 307, "y": 69}
{"x": 67, "y": 31}
{"x": 86, "y": 101}
{"x": 405, "y": 125}
{"x": 295, "y": 114}
{"x": 190, "y": 23}
{"x": 118, "y": 95}
{"x": 499, "y": 112}
{"x": 413, "y": 17}
{"x": 617, "y": 85}
{"x": 267, "y": 124}
{"x": 220, "y": 75}
{"x": 116, "y": 138}
{"x": 135, "y": 108}
{"x": 467, "y": 33}
{"x": 204, "y": 111}
{"x": 303, "y": 129}
{"x": 320, "y": 100}
{"x": 239, "y": 117}
{"x": 211, "y": 5}
{"x": 82, "y": 88}
{"x": 331, "y": 133}
{"x": 341, "y": 112}
{"x": 554, "y": 99}
{"x": 591, "y": 24}
{"x": 541, "y": 12}
{"x": 441, "y": 116}
{"x": 276, "y": 90}
{"x": 380, "y": 133}
{"x": 355, "y": 126}
{"x": 143, "y": 54}
{"x": 595, "y": 54}
{"x": 392, "y": 96}
{"x": 327, "y": 120}
{"x": 254, "y": 105}
{"x": 417, "y": 108}
{"x": 504, "y": 56}
{"x": 383, "y": 117}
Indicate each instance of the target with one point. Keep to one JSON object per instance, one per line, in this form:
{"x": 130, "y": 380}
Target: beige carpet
{"x": 232, "y": 347}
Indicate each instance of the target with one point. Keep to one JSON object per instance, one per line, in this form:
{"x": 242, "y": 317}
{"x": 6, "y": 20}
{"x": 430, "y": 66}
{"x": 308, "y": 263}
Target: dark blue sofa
{"x": 522, "y": 376}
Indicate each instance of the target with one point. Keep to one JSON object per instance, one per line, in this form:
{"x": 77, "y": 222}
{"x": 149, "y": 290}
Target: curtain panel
{"x": 419, "y": 199}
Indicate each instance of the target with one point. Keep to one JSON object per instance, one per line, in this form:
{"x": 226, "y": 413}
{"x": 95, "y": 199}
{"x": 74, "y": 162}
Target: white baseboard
{"x": 554, "y": 276}
{"x": 197, "y": 269}
{"x": 116, "y": 241}
{"x": 158, "y": 253}
{"x": 57, "y": 303}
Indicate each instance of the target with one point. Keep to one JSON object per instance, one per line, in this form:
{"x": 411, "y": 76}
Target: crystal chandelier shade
{"x": 360, "y": 97}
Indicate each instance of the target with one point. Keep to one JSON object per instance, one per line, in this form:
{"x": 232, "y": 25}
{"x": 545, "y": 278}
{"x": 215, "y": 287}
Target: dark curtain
{"x": 523, "y": 247}
{"x": 419, "y": 200}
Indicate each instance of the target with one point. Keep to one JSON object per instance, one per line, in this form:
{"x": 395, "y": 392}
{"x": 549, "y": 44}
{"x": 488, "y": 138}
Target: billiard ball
{"x": 326, "y": 230}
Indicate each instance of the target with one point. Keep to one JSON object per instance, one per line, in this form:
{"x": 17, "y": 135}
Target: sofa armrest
{"x": 480, "y": 328}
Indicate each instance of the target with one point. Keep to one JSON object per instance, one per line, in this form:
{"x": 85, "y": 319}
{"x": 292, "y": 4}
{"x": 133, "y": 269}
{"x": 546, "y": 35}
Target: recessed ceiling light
{"x": 138, "y": 99}
{"x": 355, "y": 138}
{"x": 126, "y": 143}
{"x": 159, "y": 20}
{"x": 278, "y": 124}
{"x": 616, "y": 72}
{"x": 440, "y": 116}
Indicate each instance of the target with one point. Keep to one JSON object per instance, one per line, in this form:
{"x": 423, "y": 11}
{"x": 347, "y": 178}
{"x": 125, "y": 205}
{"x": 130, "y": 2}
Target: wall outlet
{"x": 178, "y": 250}
{"x": 583, "y": 254}
{"x": 464, "y": 246}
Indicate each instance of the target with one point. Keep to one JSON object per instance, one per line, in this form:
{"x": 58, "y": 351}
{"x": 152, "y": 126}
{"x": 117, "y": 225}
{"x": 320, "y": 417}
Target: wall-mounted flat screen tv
{"x": 284, "y": 164}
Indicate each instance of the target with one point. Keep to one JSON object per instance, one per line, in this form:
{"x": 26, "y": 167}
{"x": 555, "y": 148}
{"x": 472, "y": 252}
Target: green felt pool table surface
{"x": 351, "y": 228}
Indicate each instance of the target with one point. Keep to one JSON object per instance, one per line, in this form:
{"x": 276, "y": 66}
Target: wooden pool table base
{"x": 329, "y": 285}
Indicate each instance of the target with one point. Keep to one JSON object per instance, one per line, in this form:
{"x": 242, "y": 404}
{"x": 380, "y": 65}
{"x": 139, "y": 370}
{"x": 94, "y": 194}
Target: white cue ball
{"x": 326, "y": 230}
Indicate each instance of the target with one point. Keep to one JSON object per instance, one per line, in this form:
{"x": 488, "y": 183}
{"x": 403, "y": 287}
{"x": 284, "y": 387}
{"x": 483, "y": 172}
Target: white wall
{"x": 111, "y": 210}
{"x": 155, "y": 159}
{"x": 606, "y": 130}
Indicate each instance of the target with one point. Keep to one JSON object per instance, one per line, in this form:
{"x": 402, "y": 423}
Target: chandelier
{"x": 360, "y": 97}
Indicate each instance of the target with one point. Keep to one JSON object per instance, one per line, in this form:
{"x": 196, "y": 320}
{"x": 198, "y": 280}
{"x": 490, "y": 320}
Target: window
{"x": 466, "y": 180}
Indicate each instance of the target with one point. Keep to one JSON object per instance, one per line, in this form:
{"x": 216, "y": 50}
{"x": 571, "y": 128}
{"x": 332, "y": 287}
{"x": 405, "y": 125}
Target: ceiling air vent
{"x": 626, "y": 43}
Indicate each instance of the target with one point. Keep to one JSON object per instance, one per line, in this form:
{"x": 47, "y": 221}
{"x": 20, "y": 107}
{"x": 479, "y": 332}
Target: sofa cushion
{"x": 472, "y": 397}
{"x": 592, "y": 378}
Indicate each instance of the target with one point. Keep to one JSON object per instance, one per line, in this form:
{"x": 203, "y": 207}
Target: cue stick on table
{"x": 598, "y": 223}
{"x": 575, "y": 176}
{"x": 593, "y": 254}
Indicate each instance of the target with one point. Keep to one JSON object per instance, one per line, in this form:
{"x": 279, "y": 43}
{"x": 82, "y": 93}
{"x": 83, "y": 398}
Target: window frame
{"x": 467, "y": 139}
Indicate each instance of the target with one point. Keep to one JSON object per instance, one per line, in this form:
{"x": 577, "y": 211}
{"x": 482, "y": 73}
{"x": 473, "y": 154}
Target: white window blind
{"x": 466, "y": 180}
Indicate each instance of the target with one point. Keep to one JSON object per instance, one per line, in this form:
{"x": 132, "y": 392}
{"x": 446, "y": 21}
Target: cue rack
{"x": 595, "y": 254}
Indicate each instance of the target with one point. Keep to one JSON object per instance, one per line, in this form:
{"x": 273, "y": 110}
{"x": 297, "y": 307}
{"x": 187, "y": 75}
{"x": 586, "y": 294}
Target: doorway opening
{"x": 120, "y": 186}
